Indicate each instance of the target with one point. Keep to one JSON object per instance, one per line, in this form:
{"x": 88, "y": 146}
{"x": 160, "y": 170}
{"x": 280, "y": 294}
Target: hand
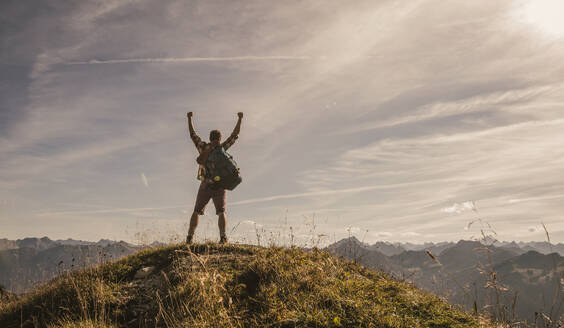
{"x": 189, "y": 114}
{"x": 240, "y": 114}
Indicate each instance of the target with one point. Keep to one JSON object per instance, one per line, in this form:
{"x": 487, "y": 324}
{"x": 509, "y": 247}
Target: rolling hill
{"x": 211, "y": 285}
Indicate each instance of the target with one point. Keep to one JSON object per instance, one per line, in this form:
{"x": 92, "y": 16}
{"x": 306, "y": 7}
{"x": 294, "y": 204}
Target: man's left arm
{"x": 235, "y": 134}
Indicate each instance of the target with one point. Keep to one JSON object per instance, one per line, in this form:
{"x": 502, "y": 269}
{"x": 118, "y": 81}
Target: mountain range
{"x": 514, "y": 281}
{"x": 390, "y": 249}
{"x": 25, "y": 262}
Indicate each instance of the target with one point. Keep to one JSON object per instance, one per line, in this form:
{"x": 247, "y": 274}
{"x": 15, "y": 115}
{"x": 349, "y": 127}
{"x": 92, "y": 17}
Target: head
{"x": 215, "y": 135}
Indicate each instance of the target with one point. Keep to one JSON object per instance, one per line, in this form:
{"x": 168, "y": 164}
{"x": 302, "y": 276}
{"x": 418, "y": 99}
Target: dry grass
{"x": 210, "y": 285}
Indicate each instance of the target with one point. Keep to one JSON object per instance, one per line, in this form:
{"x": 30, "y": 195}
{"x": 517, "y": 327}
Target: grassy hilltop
{"x": 212, "y": 285}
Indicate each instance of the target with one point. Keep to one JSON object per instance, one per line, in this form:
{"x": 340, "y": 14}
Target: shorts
{"x": 205, "y": 192}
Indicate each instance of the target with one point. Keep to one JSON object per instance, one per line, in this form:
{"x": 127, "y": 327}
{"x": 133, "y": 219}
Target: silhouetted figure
{"x": 207, "y": 190}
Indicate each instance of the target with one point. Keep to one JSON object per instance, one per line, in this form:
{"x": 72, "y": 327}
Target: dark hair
{"x": 215, "y": 135}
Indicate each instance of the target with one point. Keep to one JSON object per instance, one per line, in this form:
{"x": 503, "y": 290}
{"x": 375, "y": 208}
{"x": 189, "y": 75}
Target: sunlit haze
{"x": 545, "y": 15}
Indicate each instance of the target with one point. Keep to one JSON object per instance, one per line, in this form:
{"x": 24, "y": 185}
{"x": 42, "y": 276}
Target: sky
{"x": 409, "y": 121}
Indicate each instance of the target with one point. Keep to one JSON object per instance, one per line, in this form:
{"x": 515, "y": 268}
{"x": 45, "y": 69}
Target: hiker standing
{"x": 208, "y": 187}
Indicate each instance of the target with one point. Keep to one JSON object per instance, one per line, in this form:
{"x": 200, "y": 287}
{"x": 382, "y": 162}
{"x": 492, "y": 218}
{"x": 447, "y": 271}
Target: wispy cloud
{"x": 534, "y": 199}
{"x": 185, "y": 60}
{"x": 459, "y": 208}
{"x": 111, "y": 210}
{"x": 326, "y": 192}
{"x": 410, "y": 234}
{"x": 244, "y": 202}
{"x": 498, "y": 101}
{"x": 382, "y": 234}
{"x": 144, "y": 180}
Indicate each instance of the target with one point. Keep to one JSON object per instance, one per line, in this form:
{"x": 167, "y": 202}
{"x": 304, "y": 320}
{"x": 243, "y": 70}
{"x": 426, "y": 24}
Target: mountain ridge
{"x": 523, "y": 280}
{"x": 31, "y": 260}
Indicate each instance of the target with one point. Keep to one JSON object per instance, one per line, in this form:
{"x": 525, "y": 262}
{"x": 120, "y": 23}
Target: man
{"x": 206, "y": 191}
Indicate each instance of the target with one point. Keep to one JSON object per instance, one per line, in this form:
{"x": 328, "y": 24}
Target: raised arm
{"x": 238, "y": 125}
{"x": 195, "y": 138}
{"x": 235, "y": 134}
{"x": 190, "y": 125}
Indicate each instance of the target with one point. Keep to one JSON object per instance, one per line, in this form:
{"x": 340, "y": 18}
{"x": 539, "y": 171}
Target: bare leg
{"x": 193, "y": 225}
{"x": 221, "y": 222}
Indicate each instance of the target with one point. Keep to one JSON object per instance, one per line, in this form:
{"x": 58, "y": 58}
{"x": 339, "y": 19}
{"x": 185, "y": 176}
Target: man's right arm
{"x": 195, "y": 138}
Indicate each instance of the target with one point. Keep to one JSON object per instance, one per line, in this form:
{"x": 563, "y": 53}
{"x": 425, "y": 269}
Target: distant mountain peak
{"x": 467, "y": 244}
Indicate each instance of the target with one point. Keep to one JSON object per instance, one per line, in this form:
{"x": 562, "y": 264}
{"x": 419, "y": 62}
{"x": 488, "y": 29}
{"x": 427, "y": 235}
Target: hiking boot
{"x": 223, "y": 240}
{"x": 188, "y": 239}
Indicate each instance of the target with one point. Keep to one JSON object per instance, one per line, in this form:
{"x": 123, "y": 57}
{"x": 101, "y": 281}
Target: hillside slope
{"x": 230, "y": 286}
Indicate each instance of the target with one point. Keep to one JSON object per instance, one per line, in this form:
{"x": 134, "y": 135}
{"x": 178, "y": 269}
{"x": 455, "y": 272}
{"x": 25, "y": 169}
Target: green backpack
{"x": 222, "y": 169}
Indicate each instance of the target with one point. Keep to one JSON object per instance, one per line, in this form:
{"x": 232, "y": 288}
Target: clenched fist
{"x": 189, "y": 114}
{"x": 240, "y": 114}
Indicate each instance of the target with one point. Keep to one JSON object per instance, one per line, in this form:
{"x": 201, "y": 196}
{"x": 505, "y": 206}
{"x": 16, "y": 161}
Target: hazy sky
{"x": 382, "y": 119}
